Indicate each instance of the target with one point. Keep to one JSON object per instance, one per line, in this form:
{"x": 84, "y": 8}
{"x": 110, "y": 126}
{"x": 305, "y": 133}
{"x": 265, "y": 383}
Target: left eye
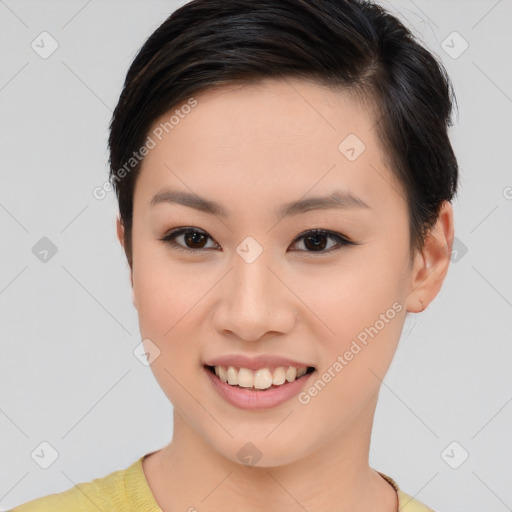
{"x": 194, "y": 240}
{"x": 316, "y": 239}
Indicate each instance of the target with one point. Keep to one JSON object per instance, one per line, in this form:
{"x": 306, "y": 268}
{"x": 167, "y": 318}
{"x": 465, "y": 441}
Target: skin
{"x": 253, "y": 148}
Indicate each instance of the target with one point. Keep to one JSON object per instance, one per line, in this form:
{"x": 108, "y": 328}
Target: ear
{"x": 431, "y": 264}
{"x": 120, "y": 231}
{"x": 120, "y": 237}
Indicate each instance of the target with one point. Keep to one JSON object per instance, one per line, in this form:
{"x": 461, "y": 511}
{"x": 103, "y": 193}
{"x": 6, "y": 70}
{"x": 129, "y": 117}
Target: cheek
{"x": 363, "y": 309}
{"x": 359, "y": 291}
{"x": 165, "y": 291}
{"x": 166, "y": 297}
{"x": 362, "y": 306}
{"x": 167, "y": 315}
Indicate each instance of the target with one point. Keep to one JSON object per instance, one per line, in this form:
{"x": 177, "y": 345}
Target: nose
{"x": 254, "y": 301}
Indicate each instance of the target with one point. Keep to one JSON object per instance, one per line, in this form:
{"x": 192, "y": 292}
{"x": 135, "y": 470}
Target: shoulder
{"x": 408, "y": 504}
{"x": 105, "y": 493}
{"x": 405, "y": 502}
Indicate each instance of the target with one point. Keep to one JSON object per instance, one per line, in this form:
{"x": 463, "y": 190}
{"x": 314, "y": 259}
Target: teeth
{"x": 262, "y": 378}
{"x": 279, "y": 376}
{"x": 291, "y": 374}
{"x": 301, "y": 372}
{"x": 245, "y": 377}
{"x": 232, "y": 376}
{"x": 259, "y": 379}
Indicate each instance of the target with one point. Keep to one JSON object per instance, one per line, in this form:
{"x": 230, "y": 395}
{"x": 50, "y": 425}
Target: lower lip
{"x": 261, "y": 399}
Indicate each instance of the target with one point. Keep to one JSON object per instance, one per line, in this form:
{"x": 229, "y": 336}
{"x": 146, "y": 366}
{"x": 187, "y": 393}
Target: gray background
{"x": 68, "y": 375}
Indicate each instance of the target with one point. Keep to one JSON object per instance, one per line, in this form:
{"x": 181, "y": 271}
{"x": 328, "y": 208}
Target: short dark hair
{"x": 353, "y": 45}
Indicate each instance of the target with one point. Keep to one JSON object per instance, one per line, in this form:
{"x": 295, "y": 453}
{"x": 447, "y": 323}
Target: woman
{"x": 284, "y": 178}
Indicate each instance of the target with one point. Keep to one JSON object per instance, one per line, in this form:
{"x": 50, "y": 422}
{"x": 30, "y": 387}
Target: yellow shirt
{"x": 127, "y": 490}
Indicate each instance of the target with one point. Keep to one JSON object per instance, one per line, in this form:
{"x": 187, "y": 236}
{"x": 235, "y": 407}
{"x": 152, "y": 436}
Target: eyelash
{"x": 169, "y": 239}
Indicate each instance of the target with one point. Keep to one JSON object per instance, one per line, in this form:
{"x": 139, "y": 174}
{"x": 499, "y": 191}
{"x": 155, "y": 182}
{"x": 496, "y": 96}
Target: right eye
{"x": 194, "y": 237}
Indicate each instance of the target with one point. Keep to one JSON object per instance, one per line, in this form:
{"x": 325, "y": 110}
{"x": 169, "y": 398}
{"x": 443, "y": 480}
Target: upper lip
{"x": 255, "y": 362}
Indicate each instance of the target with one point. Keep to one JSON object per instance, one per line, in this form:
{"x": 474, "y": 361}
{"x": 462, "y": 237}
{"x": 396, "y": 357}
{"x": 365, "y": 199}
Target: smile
{"x": 243, "y": 392}
{"x": 260, "y": 379}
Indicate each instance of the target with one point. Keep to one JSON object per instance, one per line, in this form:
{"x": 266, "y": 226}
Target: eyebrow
{"x": 338, "y": 199}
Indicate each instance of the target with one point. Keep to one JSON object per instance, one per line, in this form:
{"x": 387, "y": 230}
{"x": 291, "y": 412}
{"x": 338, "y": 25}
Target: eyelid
{"x": 322, "y": 231}
{"x": 342, "y": 240}
{"x": 172, "y": 234}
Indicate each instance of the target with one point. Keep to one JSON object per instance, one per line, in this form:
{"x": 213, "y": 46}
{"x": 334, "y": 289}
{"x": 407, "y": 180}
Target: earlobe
{"x": 120, "y": 231}
{"x": 431, "y": 265}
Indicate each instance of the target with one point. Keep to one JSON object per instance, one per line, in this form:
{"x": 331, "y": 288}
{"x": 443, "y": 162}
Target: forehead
{"x": 267, "y": 139}
{"x": 271, "y": 111}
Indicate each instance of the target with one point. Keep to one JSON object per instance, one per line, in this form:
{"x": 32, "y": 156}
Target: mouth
{"x": 261, "y": 389}
{"x": 261, "y": 380}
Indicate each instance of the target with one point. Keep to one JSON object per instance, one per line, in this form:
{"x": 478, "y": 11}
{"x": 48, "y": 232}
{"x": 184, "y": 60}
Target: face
{"x": 251, "y": 281}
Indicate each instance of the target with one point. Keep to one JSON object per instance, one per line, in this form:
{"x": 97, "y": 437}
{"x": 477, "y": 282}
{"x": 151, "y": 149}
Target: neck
{"x": 189, "y": 474}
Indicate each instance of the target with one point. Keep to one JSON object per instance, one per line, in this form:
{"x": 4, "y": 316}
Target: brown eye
{"x": 317, "y": 240}
{"x": 193, "y": 239}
